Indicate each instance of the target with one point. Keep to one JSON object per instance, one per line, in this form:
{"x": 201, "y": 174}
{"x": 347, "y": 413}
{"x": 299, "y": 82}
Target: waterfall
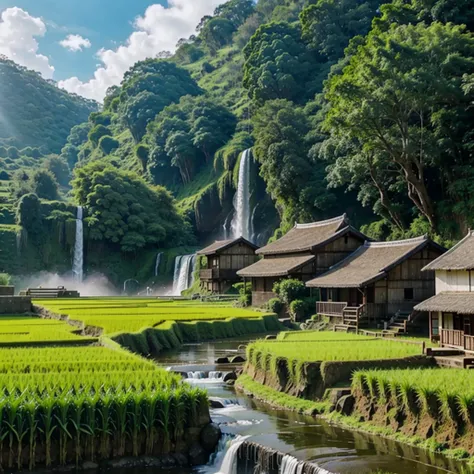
{"x": 183, "y": 273}
{"x": 157, "y": 263}
{"x": 78, "y": 265}
{"x": 229, "y": 463}
{"x": 241, "y": 223}
{"x": 291, "y": 465}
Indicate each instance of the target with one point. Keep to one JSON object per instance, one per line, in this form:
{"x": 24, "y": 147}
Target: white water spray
{"x": 183, "y": 273}
{"x": 291, "y": 465}
{"x": 229, "y": 463}
{"x": 78, "y": 265}
{"x": 241, "y": 223}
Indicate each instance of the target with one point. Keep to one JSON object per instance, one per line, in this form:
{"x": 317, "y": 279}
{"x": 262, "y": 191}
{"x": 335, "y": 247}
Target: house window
{"x": 435, "y": 324}
{"x": 408, "y": 294}
{"x": 346, "y": 239}
{"x": 371, "y": 294}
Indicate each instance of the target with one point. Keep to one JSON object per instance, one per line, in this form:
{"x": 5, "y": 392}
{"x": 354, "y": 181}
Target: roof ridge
{"x": 321, "y": 223}
{"x": 397, "y": 243}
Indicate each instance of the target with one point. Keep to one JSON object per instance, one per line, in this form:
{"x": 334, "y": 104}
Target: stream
{"x": 333, "y": 448}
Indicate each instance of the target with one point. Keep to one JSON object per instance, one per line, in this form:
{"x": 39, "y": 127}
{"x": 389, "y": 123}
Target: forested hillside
{"x": 357, "y": 106}
{"x": 35, "y": 112}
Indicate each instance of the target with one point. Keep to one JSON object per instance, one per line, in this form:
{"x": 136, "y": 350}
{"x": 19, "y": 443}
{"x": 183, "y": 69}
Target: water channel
{"x": 331, "y": 447}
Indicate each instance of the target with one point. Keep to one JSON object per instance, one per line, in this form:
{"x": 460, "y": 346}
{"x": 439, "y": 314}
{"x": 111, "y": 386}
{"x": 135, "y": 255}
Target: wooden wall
{"x": 236, "y": 257}
{"x": 334, "y": 252}
{"x": 459, "y": 280}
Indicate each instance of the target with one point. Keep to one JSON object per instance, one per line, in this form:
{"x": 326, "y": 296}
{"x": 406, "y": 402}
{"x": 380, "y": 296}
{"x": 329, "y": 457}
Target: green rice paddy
{"x": 131, "y": 315}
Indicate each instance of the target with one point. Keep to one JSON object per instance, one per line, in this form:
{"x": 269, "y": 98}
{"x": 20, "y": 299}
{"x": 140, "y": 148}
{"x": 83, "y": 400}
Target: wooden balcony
{"x": 218, "y": 274}
{"x": 330, "y": 308}
{"x": 469, "y": 343}
{"x": 452, "y": 338}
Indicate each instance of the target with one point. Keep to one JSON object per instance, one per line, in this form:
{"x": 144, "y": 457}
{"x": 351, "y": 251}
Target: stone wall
{"x": 7, "y": 290}
{"x": 15, "y": 304}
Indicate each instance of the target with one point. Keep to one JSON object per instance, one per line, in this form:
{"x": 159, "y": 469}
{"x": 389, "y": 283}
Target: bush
{"x": 290, "y": 290}
{"x": 4, "y": 176}
{"x": 275, "y": 305}
{"x": 5, "y": 279}
{"x": 44, "y": 184}
{"x": 245, "y": 292}
{"x": 298, "y": 310}
{"x": 108, "y": 144}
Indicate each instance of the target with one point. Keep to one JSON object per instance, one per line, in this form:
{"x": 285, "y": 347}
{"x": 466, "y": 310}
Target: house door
{"x": 355, "y": 297}
{"x": 467, "y": 326}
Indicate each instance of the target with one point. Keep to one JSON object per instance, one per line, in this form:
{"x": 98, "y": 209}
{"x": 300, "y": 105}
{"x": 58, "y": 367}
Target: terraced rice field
{"x": 29, "y": 330}
{"x": 131, "y": 315}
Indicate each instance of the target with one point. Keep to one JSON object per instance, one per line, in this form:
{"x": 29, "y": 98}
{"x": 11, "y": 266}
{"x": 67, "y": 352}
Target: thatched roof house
{"x": 378, "y": 280}
{"x": 223, "y": 259}
{"x": 452, "y": 308}
{"x": 304, "y": 252}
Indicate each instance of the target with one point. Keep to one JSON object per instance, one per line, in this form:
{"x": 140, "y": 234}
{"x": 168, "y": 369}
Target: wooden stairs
{"x": 352, "y": 319}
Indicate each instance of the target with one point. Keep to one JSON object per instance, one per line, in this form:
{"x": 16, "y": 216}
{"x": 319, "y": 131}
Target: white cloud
{"x": 157, "y": 30}
{"x": 75, "y": 43}
{"x": 18, "y": 33}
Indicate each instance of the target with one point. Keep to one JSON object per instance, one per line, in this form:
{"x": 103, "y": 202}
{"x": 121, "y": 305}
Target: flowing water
{"x": 242, "y": 222}
{"x": 327, "y": 448}
{"x": 183, "y": 273}
{"x": 78, "y": 264}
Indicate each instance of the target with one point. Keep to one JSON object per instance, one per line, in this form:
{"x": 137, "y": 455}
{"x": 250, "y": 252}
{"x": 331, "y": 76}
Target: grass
{"x": 128, "y": 315}
{"x": 318, "y": 336}
{"x": 278, "y": 399}
{"x": 63, "y": 405}
{"x": 19, "y": 329}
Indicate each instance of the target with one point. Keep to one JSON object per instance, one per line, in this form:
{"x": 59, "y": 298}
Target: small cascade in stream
{"x": 229, "y": 463}
{"x": 183, "y": 273}
{"x": 157, "y": 263}
{"x": 254, "y": 458}
{"x": 78, "y": 265}
{"x": 242, "y": 221}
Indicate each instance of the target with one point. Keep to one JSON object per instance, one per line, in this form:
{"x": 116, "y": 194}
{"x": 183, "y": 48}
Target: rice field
{"x": 131, "y": 315}
{"x": 65, "y": 405}
{"x": 319, "y": 336}
{"x": 29, "y": 330}
{"x": 451, "y": 390}
{"x": 344, "y": 349}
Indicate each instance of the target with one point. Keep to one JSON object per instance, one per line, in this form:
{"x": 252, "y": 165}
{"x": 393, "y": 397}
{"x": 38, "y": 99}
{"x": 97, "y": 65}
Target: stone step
{"x": 450, "y": 362}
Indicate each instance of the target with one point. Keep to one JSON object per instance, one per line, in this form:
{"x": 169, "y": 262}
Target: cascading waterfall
{"x": 241, "y": 223}
{"x": 78, "y": 265}
{"x": 229, "y": 463}
{"x": 183, "y": 273}
{"x": 157, "y": 263}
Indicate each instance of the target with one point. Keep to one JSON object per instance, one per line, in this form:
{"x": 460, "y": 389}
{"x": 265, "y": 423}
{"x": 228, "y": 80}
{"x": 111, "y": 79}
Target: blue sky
{"x": 114, "y": 35}
{"x": 104, "y": 22}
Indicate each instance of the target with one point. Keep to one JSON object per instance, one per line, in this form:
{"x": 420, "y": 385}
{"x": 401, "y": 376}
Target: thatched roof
{"x": 460, "y": 257}
{"x": 461, "y": 302}
{"x": 276, "y": 267}
{"x": 307, "y": 237}
{"x": 220, "y": 245}
{"x": 369, "y": 263}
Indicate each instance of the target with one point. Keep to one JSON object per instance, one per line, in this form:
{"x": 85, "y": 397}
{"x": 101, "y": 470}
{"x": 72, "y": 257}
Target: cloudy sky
{"x": 87, "y": 45}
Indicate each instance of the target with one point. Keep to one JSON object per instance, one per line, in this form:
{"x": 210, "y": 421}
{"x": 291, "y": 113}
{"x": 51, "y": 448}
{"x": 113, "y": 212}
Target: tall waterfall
{"x": 157, "y": 263}
{"x": 78, "y": 265}
{"x": 242, "y": 221}
{"x": 183, "y": 273}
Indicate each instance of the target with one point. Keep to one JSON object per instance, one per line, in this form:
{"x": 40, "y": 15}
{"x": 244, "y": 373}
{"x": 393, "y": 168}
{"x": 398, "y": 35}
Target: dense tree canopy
{"x": 125, "y": 211}
{"x": 34, "y": 111}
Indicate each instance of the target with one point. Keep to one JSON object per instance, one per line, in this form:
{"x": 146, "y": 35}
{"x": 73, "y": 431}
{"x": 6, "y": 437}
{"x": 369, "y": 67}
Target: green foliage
{"x": 5, "y": 279}
{"x": 245, "y": 294}
{"x": 59, "y": 167}
{"x": 37, "y": 113}
{"x": 290, "y": 290}
{"x": 44, "y": 184}
{"x": 125, "y": 211}
{"x": 98, "y": 132}
{"x": 143, "y": 155}
{"x": 274, "y": 305}
{"x": 380, "y": 104}
{"x": 108, "y": 144}
{"x": 299, "y": 310}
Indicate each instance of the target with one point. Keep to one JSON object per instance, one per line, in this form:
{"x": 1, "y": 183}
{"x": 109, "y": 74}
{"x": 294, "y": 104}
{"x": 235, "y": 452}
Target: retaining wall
{"x": 15, "y": 304}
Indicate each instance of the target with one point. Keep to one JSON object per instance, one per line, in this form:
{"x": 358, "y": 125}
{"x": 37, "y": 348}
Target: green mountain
{"x": 35, "y": 112}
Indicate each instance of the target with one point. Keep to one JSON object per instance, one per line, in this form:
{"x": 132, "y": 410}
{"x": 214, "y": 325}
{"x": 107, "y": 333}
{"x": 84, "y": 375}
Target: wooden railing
{"x": 469, "y": 343}
{"x": 450, "y": 337}
{"x": 218, "y": 274}
{"x": 330, "y": 308}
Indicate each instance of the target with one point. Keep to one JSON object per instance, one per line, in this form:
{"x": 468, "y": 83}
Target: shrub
{"x": 275, "y": 305}
{"x": 5, "y": 279}
{"x": 290, "y": 290}
{"x": 4, "y": 176}
{"x": 108, "y": 144}
{"x": 298, "y": 310}
{"x": 245, "y": 292}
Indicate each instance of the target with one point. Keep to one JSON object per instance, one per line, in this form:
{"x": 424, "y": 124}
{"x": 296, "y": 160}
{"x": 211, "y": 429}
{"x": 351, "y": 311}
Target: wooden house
{"x": 223, "y": 259}
{"x": 304, "y": 252}
{"x": 451, "y": 310}
{"x": 379, "y": 281}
